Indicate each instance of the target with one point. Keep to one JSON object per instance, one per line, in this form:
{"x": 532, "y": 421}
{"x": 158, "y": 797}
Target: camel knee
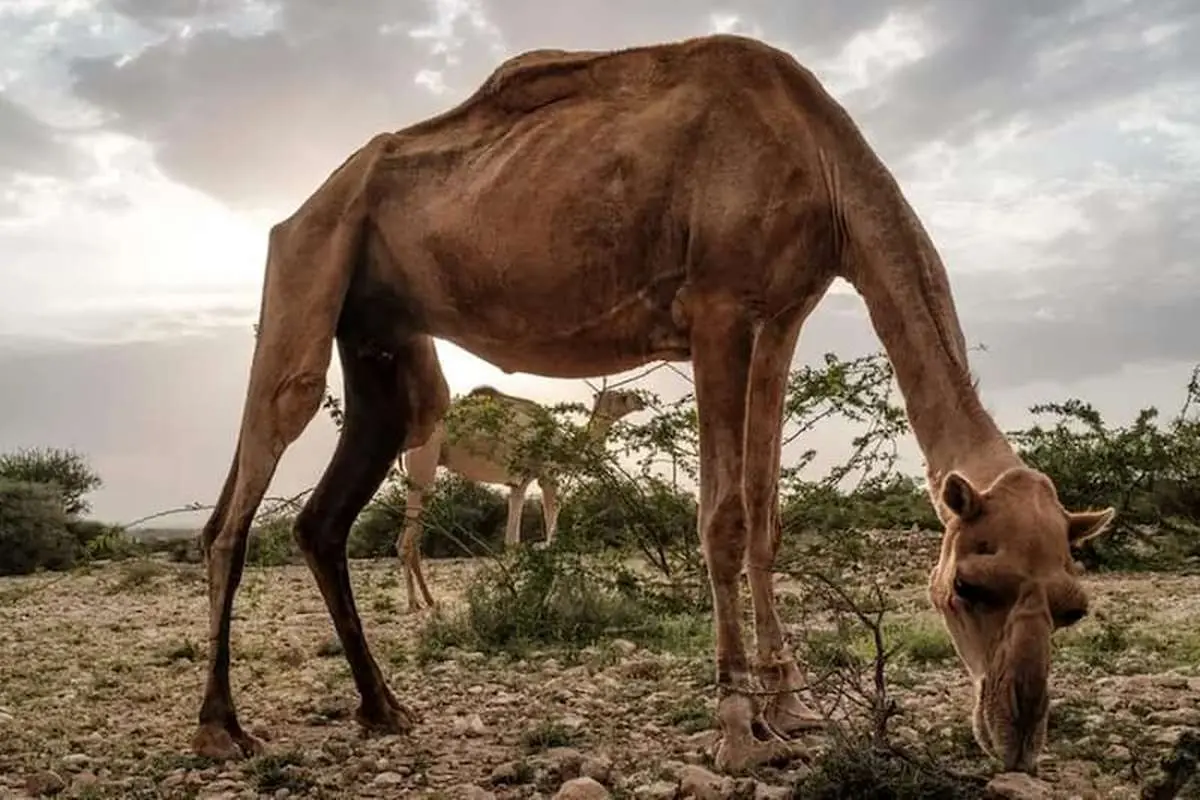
{"x": 296, "y": 403}
{"x": 723, "y": 537}
{"x": 312, "y": 534}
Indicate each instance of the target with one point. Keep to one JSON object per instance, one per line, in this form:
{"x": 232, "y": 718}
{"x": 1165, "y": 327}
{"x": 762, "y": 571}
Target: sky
{"x": 1051, "y": 149}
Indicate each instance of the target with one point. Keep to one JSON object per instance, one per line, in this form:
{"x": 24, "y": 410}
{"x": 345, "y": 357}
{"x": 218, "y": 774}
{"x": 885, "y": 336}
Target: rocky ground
{"x": 101, "y": 673}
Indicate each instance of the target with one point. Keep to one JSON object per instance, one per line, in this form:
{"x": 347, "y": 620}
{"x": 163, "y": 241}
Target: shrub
{"x": 555, "y": 597}
{"x": 271, "y": 543}
{"x": 100, "y": 541}
{"x": 460, "y": 518}
{"x": 33, "y": 529}
{"x": 67, "y": 470}
{"x": 1148, "y": 470}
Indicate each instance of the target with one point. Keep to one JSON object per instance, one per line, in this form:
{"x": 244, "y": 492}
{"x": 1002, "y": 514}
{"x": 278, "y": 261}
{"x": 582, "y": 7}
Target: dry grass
{"x": 101, "y": 674}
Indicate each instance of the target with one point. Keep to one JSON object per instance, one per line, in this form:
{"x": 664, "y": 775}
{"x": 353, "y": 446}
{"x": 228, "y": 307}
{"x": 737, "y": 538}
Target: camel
{"x": 481, "y": 439}
{"x": 583, "y": 213}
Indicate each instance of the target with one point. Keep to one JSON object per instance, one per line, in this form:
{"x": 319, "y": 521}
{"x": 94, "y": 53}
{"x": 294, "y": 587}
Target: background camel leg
{"x": 721, "y": 355}
{"x": 421, "y": 468}
{"x": 371, "y": 435}
{"x": 776, "y": 667}
{"x": 549, "y": 488}
{"x": 516, "y": 506}
{"x": 410, "y": 553}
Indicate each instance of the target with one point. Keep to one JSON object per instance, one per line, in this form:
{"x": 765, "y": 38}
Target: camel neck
{"x": 893, "y": 264}
{"x": 598, "y": 427}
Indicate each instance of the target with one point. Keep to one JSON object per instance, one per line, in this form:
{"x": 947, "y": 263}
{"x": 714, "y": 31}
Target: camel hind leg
{"x": 287, "y": 382}
{"x": 372, "y": 434}
{"x": 421, "y": 468}
{"x": 722, "y": 352}
{"x": 310, "y": 260}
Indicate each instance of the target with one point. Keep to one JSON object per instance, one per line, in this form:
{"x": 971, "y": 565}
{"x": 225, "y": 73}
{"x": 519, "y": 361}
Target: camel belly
{"x": 587, "y": 351}
{"x": 479, "y": 469}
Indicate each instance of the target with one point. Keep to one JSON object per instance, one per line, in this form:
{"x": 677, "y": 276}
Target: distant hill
{"x": 162, "y": 534}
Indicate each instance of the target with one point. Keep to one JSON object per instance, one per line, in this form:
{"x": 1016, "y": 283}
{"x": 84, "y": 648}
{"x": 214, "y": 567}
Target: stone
{"x": 44, "y": 783}
{"x": 470, "y": 725}
{"x": 598, "y": 768}
{"x": 695, "y": 781}
{"x": 1016, "y": 786}
{"x": 76, "y": 761}
{"x": 388, "y": 779}
{"x": 582, "y": 789}
{"x": 659, "y": 790}
{"x": 507, "y": 773}
{"x": 564, "y": 763}
{"x": 624, "y": 646}
{"x": 1188, "y": 717}
{"x": 764, "y": 791}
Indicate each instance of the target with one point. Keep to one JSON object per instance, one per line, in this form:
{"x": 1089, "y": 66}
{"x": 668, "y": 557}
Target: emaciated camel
{"x": 492, "y": 437}
{"x": 583, "y": 213}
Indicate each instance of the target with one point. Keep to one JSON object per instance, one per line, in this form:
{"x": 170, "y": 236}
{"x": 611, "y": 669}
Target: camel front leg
{"x": 516, "y": 507}
{"x": 721, "y": 356}
{"x": 785, "y": 713}
{"x": 549, "y": 488}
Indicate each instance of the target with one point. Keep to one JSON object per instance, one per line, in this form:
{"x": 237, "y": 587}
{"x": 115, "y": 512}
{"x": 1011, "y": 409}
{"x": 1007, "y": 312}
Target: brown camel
{"x": 584, "y": 213}
{"x": 481, "y": 439}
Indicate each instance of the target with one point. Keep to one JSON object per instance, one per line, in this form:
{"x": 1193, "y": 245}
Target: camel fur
{"x": 584, "y": 213}
{"x": 492, "y": 437}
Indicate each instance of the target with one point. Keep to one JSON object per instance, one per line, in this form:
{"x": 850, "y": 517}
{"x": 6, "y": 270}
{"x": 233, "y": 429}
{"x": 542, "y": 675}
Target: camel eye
{"x": 974, "y": 594}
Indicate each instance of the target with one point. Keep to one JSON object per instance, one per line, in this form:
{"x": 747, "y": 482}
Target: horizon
{"x": 146, "y": 148}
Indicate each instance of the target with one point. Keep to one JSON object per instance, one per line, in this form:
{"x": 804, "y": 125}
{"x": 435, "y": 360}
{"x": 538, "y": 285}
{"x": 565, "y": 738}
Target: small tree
{"x": 33, "y": 529}
{"x": 65, "y": 469}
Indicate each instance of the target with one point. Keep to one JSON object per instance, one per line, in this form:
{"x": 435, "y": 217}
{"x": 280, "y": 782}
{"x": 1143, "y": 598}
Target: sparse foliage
{"x": 1147, "y": 470}
{"x": 33, "y": 529}
{"x": 66, "y": 470}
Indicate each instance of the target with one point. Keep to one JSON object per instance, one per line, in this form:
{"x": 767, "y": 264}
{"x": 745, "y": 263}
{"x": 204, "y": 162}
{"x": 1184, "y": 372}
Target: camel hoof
{"x": 220, "y": 744}
{"x": 393, "y": 718}
{"x": 736, "y": 758}
{"x": 787, "y": 716}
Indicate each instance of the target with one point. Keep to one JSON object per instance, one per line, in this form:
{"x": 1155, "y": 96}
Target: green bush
{"x": 1148, "y": 470}
{"x": 67, "y": 470}
{"x": 460, "y": 519}
{"x": 100, "y": 541}
{"x": 272, "y": 544}
{"x": 558, "y": 598}
{"x": 33, "y": 529}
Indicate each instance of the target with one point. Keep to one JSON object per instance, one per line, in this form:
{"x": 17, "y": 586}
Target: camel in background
{"x": 583, "y": 213}
{"x": 486, "y": 437}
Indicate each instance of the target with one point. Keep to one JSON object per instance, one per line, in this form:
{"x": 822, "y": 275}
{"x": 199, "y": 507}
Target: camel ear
{"x": 961, "y": 497}
{"x": 1083, "y": 525}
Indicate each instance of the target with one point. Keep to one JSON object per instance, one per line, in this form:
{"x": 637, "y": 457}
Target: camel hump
{"x": 490, "y": 391}
{"x": 538, "y": 78}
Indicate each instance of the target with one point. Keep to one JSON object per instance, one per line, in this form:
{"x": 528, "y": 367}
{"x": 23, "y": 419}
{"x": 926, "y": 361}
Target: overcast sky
{"x": 1052, "y": 149}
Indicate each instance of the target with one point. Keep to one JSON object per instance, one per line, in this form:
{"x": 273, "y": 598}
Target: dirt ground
{"x": 101, "y": 674}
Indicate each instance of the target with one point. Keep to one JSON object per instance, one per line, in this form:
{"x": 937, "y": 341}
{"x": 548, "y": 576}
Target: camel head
{"x": 1005, "y": 581}
{"x": 613, "y": 404}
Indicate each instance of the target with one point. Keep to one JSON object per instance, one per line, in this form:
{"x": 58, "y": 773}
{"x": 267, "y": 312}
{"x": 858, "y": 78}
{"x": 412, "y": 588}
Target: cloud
{"x": 259, "y": 118}
{"x": 30, "y": 146}
{"x": 1044, "y": 145}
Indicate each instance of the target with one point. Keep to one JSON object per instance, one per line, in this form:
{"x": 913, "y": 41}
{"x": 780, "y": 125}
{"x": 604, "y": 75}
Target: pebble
{"x": 695, "y": 781}
{"x": 582, "y": 789}
{"x": 659, "y": 790}
{"x": 47, "y": 782}
{"x": 1016, "y": 786}
{"x": 388, "y": 779}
